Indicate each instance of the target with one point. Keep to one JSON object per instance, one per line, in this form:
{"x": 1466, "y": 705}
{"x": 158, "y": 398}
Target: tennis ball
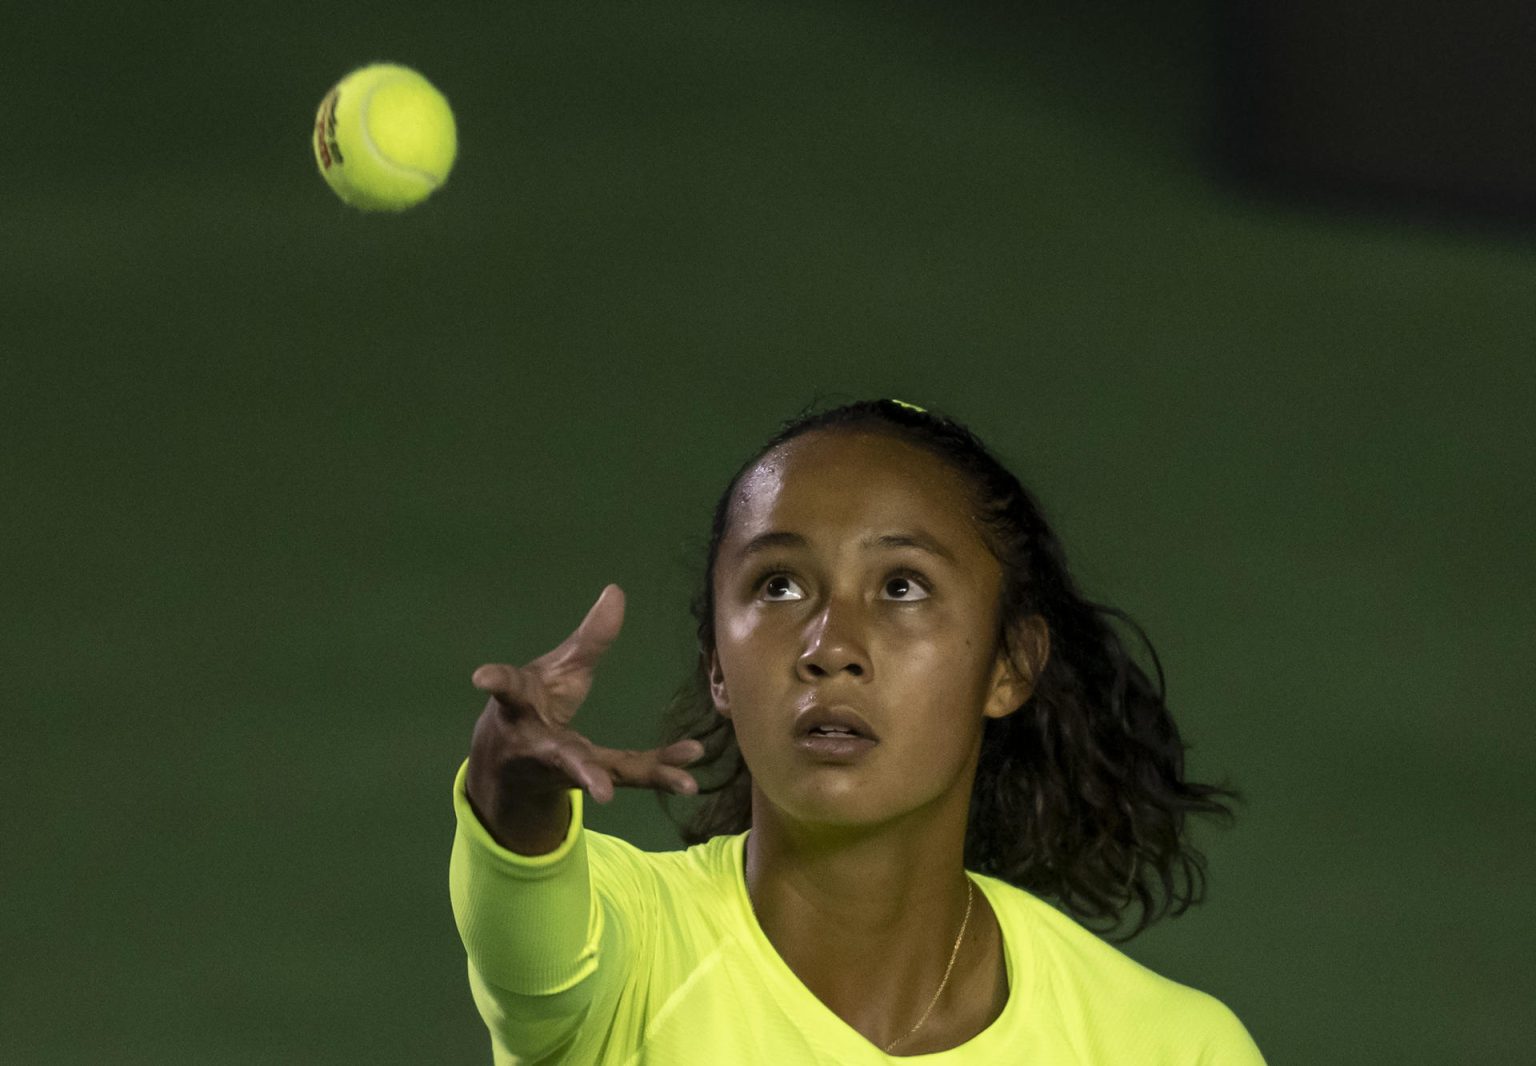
{"x": 384, "y": 138}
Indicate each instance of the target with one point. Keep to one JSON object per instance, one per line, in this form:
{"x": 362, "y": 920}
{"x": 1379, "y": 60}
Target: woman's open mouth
{"x": 836, "y": 745}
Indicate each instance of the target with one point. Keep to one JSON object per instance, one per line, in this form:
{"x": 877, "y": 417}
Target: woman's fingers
{"x": 656, "y": 769}
{"x": 681, "y": 752}
{"x": 557, "y": 683}
{"x": 505, "y": 683}
{"x": 600, "y": 784}
{"x": 581, "y": 651}
{"x": 685, "y": 784}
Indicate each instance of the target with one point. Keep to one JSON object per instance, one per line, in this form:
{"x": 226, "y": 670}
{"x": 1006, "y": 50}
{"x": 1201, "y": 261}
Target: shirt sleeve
{"x": 532, "y": 931}
{"x": 1230, "y": 1043}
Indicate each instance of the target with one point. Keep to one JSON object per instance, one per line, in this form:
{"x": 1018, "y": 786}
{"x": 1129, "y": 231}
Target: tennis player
{"x": 927, "y": 762}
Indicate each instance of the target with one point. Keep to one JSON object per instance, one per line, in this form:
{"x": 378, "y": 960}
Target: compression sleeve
{"x": 531, "y": 931}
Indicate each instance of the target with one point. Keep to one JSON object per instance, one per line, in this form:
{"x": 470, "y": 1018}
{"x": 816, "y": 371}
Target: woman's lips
{"x": 832, "y": 748}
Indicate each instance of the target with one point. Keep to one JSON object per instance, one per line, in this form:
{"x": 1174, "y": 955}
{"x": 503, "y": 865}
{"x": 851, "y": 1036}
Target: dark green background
{"x": 278, "y": 475}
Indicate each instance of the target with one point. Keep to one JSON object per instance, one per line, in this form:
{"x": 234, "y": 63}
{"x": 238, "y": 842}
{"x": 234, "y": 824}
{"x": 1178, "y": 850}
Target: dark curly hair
{"x": 1079, "y": 796}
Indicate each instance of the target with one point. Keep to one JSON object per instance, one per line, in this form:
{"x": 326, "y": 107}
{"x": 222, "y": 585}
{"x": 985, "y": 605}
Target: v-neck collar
{"x": 989, "y": 1045}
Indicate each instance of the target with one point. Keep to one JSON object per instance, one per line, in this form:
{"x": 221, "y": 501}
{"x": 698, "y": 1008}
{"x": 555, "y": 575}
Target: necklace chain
{"x": 969, "y": 891}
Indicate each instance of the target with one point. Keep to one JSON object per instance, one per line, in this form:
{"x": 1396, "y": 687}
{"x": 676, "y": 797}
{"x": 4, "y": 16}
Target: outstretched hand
{"x": 523, "y": 746}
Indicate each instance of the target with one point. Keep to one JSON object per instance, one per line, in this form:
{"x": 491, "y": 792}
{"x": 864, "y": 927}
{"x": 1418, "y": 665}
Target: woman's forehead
{"x": 833, "y": 480}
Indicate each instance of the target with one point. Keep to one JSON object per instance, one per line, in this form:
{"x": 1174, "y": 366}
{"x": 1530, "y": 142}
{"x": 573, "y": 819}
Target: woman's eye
{"x": 911, "y": 584}
{"x": 905, "y": 585}
{"x": 776, "y": 579}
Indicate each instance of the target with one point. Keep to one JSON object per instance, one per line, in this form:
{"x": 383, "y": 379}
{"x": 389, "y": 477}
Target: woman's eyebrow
{"x": 776, "y": 538}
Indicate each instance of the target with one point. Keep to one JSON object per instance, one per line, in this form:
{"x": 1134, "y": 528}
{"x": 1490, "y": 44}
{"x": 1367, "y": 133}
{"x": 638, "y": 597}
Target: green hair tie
{"x": 910, "y": 406}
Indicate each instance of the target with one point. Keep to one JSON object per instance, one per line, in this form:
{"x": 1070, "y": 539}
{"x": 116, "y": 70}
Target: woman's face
{"x": 905, "y": 636}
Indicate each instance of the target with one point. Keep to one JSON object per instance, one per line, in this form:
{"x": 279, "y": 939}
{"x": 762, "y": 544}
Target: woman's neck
{"x": 869, "y": 921}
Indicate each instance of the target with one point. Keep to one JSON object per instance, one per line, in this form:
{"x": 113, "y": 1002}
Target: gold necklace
{"x": 969, "y": 888}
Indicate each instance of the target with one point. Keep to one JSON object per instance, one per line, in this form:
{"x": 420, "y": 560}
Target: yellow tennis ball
{"x": 384, "y": 138}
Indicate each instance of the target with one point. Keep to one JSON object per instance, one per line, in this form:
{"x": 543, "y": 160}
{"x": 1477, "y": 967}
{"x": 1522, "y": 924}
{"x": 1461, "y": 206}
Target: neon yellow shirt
{"x": 601, "y": 954}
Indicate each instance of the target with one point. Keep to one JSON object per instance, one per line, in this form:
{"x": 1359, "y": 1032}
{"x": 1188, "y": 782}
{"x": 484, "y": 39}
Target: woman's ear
{"x": 717, "y": 692}
{"x": 1014, "y": 680}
